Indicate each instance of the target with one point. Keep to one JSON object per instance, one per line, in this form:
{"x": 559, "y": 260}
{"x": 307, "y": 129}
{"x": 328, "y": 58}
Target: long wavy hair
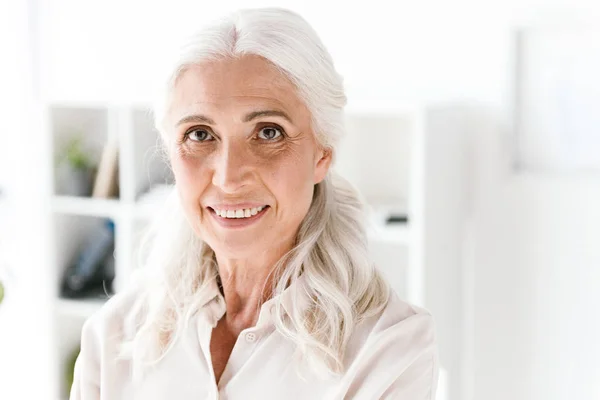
{"x": 340, "y": 284}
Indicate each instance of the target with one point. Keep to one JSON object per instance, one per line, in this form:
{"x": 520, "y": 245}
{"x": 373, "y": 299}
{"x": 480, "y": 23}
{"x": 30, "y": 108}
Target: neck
{"x": 247, "y": 283}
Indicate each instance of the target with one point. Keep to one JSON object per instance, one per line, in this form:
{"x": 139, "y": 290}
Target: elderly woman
{"x": 257, "y": 282}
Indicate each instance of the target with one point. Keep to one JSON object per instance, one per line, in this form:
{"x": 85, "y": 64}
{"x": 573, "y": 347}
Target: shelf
{"x": 151, "y": 201}
{"x": 108, "y": 208}
{"x": 82, "y": 308}
{"x": 146, "y": 211}
{"x": 392, "y": 234}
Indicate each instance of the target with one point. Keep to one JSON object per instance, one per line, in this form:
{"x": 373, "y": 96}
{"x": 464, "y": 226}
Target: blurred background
{"x": 473, "y": 134}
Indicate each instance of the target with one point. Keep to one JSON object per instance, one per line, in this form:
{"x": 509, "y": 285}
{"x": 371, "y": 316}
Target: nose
{"x": 232, "y": 167}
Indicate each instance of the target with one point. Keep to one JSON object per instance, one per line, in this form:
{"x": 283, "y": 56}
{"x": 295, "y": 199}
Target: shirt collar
{"x": 293, "y": 302}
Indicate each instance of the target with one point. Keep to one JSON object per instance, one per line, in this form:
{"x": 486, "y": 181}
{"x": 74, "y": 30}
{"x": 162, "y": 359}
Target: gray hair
{"x": 340, "y": 283}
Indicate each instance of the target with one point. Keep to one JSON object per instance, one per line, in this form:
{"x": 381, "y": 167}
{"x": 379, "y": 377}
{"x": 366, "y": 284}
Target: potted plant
{"x": 76, "y": 170}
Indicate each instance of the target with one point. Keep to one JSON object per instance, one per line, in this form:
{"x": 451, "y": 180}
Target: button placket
{"x": 250, "y": 337}
{"x": 242, "y": 350}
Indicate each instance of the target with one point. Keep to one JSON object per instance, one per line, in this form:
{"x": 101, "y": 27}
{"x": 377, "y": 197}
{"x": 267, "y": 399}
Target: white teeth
{"x": 242, "y": 213}
{"x": 256, "y": 210}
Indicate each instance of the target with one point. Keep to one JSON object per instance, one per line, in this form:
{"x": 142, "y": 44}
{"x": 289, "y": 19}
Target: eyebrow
{"x": 267, "y": 113}
{"x": 195, "y": 118}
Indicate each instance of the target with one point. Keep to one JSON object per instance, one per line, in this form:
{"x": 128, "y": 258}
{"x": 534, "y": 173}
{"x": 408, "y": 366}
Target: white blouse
{"x": 390, "y": 356}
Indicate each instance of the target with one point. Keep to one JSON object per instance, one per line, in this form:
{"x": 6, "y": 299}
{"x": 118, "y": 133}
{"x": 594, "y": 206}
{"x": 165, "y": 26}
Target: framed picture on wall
{"x": 557, "y": 99}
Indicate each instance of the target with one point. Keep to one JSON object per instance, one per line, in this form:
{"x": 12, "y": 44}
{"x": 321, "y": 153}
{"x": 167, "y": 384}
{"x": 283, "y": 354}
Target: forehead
{"x": 245, "y": 83}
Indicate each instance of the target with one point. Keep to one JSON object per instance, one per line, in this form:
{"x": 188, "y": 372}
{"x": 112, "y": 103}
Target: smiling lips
{"x": 238, "y": 218}
{"x": 240, "y": 213}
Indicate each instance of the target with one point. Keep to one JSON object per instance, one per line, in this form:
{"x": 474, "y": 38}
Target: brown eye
{"x": 199, "y": 135}
{"x": 270, "y": 133}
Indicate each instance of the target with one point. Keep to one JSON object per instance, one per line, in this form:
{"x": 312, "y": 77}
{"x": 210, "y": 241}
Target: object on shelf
{"x": 75, "y": 169}
{"x": 397, "y": 219}
{"x": 106, "y": 184}
{"x": 93, "y": 272}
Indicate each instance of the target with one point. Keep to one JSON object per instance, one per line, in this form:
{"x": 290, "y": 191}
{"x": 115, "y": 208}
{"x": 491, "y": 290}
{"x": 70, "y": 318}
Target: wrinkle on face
{"x": 236, "y": 164}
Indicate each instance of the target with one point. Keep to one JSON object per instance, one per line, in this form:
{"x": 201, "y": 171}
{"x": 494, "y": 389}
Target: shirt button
{"x": 250, "y": 337}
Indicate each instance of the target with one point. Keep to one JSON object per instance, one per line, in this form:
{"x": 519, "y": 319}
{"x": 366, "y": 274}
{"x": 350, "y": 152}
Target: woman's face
{"x": 244, "y": 156}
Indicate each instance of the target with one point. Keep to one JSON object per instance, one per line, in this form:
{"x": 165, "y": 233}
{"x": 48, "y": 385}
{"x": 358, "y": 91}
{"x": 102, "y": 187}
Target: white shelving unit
{"x": 388, "y": 154}
{"x": 77, "y": 308}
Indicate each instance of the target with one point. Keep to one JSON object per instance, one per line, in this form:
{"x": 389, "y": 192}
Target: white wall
{"x": 537, "y": 273}
{"x": 405, "y": 50}
{"x": 532, "y": 323}
{"x": 25, "y": 350}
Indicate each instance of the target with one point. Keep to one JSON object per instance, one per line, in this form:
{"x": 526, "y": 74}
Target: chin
{"x": 237, "y": 248}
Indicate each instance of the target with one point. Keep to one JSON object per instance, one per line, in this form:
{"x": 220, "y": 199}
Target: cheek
{"x": 189, "y": 177}
{"x": 293, "y": 184}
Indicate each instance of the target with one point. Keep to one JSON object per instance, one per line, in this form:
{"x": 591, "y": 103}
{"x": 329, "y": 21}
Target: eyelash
{"x": 187, "y": 134}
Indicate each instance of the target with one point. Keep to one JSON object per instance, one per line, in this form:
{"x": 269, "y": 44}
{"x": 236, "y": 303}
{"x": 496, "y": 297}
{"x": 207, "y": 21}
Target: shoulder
{"x": 394, "y": 353}
{"x": 402, "y": 332}
{"x": 101, "y": 339}
{"x": 401, "y": 321}
{"x": 108, "y": 326}
{"x": 400, "y": 314}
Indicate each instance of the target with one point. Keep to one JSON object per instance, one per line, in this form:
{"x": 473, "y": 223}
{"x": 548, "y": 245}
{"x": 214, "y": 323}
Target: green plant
{"x": 75, "y": 155}
{"x": 70, "y": 367}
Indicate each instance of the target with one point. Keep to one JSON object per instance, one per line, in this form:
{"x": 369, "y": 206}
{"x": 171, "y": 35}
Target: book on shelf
{"x": 106, "y": 184}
